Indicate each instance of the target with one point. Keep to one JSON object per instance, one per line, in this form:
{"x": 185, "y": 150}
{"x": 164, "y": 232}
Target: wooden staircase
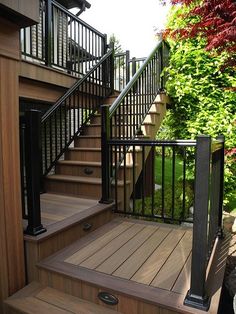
{"x": 79, "y": 174}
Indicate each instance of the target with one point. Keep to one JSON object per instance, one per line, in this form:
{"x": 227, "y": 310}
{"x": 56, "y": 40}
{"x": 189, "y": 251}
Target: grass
{"x": 168, "y": 170}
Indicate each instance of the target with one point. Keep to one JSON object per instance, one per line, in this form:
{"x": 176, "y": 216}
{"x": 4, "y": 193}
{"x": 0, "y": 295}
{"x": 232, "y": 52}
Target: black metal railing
{"x": 62, "y": 40}
{"x": 66, "y": 119}
{"x": 125, "y": 68}
{"x": 149, "y": 178}
{"x": 124, "y": 118}
{"x": 44, "y": 139}
{"x": 129, "y": 110}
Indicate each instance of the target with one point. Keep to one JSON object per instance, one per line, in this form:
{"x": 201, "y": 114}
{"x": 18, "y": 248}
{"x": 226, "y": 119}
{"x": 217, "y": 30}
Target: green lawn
{"x": 168, "y": 170}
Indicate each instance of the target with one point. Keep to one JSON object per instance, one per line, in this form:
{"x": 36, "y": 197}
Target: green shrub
{"x": 204, "y": 99}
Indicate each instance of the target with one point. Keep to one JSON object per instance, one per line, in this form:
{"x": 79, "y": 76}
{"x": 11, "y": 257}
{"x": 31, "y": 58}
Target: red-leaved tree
{"x": 217, "y": 23}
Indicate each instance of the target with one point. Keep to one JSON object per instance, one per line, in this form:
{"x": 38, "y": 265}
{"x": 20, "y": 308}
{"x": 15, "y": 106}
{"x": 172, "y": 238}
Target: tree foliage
{"x": 214, "y": 20}
{"x": 203, "y": 100}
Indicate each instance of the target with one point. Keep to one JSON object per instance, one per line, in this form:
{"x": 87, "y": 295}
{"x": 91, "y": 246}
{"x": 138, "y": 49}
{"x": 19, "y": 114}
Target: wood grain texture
{"x": 9, "y": 42}
{"x": 11, "y": 240}
{"x": 38, "y": 299}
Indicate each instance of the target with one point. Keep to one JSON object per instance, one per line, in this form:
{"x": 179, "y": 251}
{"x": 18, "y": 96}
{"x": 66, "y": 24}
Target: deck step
{"x": 38, "y": 299}
{"x": 88, "y": 141}
{"x": 84, "y": 154}
{"x": 79, "y": 168}
{"x": 89, "y": 187}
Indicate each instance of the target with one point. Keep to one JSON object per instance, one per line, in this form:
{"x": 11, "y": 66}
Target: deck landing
{"x": 141, "y": 263}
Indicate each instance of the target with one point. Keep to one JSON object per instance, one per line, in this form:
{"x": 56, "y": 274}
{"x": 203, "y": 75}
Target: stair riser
{"x": 93, "y": 130}
{"x": 152, "y": 118}
{"x": 88, "y": 190}
{"x": 88, "y": 142}
{"x": 83, "y": 289}
{"x": 77, "y": 170}
{"x": 96, "y": 119}
{"x": 92, "y": 191}
{"x": 83, "y": 155}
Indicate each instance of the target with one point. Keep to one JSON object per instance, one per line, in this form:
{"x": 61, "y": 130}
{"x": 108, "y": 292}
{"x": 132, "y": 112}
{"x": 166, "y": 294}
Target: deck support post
{"x": 33, "y": 171}
{"x": 197, "y": 296}
{"x": 105, "y": 136}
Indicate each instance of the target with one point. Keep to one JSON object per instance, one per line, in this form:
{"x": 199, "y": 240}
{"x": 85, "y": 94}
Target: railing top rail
{"x": 75, "y": 86}
{"x": 58, "y": 5}
{"x": 131, "y": 83}
{"x": 137, "y": 59}
{"x": 153, "y": 143}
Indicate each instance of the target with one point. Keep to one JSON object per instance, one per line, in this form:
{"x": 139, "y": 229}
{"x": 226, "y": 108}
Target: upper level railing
{"x": 62, "y": 40}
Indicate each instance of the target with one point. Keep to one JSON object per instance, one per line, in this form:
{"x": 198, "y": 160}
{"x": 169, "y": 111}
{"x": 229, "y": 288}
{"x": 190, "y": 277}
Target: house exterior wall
{"x": 12, "y": 268}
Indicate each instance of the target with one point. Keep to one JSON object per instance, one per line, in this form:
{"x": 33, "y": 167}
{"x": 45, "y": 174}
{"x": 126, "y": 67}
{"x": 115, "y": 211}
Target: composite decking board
{"x": 123, "y": 253}
{"x": 56, "y": 208}
{"x": 33, "y": 305}
{"x": 182, "y": 283}
{"x": 84, "y": 253}
{"x": 147, "y": 272}
{"x": 99, "y": 257}
{"x": 38, "y": 299}
{"x": 136, "y": 260}
{"x": 171, "y": 269}
{"x": 71, "y": 303}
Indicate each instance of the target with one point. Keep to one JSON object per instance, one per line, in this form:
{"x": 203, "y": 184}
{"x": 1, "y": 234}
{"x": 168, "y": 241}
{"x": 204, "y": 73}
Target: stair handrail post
{"x": 127, "y": 67}
{"x": 112, "y": 66}
{"x": 48, "y": 32}
{"x": 33, "y": 153}
{"x": 105, "y": 155}
{"x": 197, "y": 296}
{"x": 221, "y": 196}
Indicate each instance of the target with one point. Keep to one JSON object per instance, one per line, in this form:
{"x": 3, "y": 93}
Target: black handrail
{"x": 125, "y": 116}
{"x": 75, "y": 86}
{"x": 128, "y": 87}
{"x": 66, "y": 119}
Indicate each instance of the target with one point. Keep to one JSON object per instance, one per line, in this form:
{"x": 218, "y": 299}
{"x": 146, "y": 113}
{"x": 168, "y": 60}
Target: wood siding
{"x": 11, "y": 239}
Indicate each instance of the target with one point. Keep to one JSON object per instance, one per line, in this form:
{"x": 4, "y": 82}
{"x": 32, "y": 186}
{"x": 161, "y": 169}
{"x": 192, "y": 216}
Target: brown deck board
{"x": 182, "y": 284}
{"x": 96, "y": 259}
{"x": 136, "y": 260}
{"x": 84, "y": 253}
{"x": 150, "y": 268}
{"x": 56, "y": 207}
{"x": 121, "y": 255}
{"x": 169, "y": 273}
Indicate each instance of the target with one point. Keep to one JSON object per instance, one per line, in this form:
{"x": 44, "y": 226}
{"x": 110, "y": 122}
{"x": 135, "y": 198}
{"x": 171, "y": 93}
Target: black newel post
{"x": 105, "y": 136}
{"x": 197, "y": 296}
{"x": 48, "y": 32}
{"x": 33, "y": 171}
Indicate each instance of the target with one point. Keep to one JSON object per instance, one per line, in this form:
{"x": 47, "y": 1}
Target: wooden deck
{"x": 145, "y": 253}
{"x": 144, "y": 264}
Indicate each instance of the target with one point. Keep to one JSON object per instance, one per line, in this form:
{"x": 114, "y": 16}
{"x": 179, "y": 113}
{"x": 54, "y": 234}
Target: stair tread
{"x": 95, "y": 149}
{"x": 79, "y": 179}
{"x": 38, "y": 299}
{"x": 88, "y": 136}
{"x": 80, "y": 163}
